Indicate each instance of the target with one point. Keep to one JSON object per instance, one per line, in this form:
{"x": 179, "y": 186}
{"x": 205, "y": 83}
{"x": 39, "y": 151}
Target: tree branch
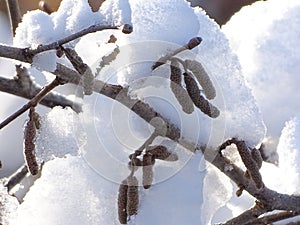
{"x": 266, "y": 196}
{"x": 14, "y": 14}
{"x": 27, "y": 54}
{"x": 33, "y": 102}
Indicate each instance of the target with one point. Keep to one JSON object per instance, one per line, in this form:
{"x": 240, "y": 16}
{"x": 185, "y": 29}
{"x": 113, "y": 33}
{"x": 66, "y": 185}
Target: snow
{"x": 268, "y": 50}
{"x": 86, "y": 155}
{"x": 8, "y": 205}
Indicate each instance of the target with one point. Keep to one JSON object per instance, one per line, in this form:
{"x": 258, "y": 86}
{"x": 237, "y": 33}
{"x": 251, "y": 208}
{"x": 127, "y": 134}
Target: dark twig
{"x": 33, "y": 102}
{"x": 16, "y": 178}
{"x": 14, "y": 14}
{"x": 269, "y": 219}
{"x": 27, "y": 54}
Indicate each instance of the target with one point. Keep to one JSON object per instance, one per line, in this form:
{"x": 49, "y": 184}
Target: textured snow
{"x": 8, "y": 205}
{"x": 265, "y": 37}
{"x": 59, "y": 134}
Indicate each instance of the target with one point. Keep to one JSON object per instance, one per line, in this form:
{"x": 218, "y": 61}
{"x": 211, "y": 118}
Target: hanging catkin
{"x": 122, "y": 202}
{"x": 199, "y": 101}
{"x": 132, "y": 196}
{"x": 177, "y": 89}
{"x": 256, "y": 156}
{"x": 148, "y": 162}
{"x": 202, "y": 77}
{"x": 29, "y": 145}
{"x": 162, "y": 153}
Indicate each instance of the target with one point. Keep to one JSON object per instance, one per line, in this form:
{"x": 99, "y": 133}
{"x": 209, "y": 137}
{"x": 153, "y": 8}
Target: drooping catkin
{"x": 29, "y": 147}
{"x": 132, "y": 196}
{"x": 148, "y": 162}
{"x": 162, "y": 153}
{"x": 256, "y": 156}
{"x": 122, "y": 202}
{"x": 202, "y": 77}
{"x": 177, "y": 89}
{"x": 252, "y": 168}
{"x": 199, "y": 101}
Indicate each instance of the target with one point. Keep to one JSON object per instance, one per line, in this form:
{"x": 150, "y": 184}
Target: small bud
{"x": 127, "y": 29}
{"x": 194, "y": 42}
{"x": 161, "y": 152}
{"x": 148, "y": 162}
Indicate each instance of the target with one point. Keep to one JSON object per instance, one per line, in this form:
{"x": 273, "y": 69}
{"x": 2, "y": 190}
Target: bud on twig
{"x": 162, "y": 153}
{"x": 122, "y": 202}
{"x": 132, "y": 196}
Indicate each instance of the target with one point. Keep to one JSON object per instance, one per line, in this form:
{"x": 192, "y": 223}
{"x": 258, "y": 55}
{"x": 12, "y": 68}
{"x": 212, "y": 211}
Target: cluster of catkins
{"x": 193, "y": 75}
{"x": 128, "y": 198}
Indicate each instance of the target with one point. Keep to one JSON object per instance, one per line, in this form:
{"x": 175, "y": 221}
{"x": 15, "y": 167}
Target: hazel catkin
{"x": 29, "y": 147}
{"x": 148, "y": 162}
{"x": 132, "y": 196}
{"x": 122, "y": 202}
{"x": 199, "y": 101}
{"x": 202, "y": 77}
{"x": 177, "y": 89}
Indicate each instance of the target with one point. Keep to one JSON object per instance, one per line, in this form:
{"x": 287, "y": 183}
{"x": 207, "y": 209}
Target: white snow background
{"x": 86, "y": 154}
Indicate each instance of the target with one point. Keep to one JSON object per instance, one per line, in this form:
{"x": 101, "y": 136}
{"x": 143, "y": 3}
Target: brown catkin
{"x": 177, "y": 89}
{"x": 148, "y": 162}
{"x": 122, "y": 202}
{"x": 132, "y": 196}
{"x": 29, "y": 147}
{"x": 162, "y": 153}
{"x": 256, "y": 156}
{"x": 252, "y": 168}
{"x": 202, "y": 77}
{"x": 199, "y": 101}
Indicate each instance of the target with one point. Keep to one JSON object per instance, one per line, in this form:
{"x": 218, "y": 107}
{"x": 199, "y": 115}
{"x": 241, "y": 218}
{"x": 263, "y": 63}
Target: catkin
{"x": 252, "y": 168}
{"x": 148, "y": 162}
{"x": 202, "y": 77}
{"x": 199, "y": 101}
{"x": 29, "y": 147}
{"x": 177, "y": 89}
{"x": 122, "y": 202}
{"x": 132, "y": 196}
{"x": 256, "y": 156}
{"x": 162, "y": 153}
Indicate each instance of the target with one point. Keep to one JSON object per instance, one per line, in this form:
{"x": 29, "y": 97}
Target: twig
{"x": 190, "y": 45}
{"x": 33, "y": 102}
{"x": 27, "y": 54}
{"x": 16, "y": 178}
{"x": 268, "y": 219}
{"x": 14, "y": 14}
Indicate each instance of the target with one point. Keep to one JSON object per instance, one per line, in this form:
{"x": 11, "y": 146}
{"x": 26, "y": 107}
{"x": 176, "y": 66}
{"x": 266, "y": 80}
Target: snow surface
{"x": 265, "y": 36}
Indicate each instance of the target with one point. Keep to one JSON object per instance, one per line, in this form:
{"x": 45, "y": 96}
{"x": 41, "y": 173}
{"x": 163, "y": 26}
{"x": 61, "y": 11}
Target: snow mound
{"x": 265, "y": 36}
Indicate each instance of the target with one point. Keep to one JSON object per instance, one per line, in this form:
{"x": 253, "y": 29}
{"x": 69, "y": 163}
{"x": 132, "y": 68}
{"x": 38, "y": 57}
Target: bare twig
{"x": 27, "y": 54}
{"x": 269, "y": 219}
{"x": 16, "y": 178}
{"x": 33, "y": 102}
{"x": 14, "y": 14}
{"x": 190, "y": 45}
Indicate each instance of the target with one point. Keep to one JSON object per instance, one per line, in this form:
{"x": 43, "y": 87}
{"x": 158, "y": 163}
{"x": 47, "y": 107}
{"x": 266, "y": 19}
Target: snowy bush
{"x": 135, "y": 123}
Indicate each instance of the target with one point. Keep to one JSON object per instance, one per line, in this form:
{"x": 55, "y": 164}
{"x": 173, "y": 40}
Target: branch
{"x": 16, "y": 178}
{"x": 266, "y": 196}
{"x": 14, "y": 14}
{"x": 33, "y": 102}
{"x": 27, "y": 54}
{"x": 269, "y": 219}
